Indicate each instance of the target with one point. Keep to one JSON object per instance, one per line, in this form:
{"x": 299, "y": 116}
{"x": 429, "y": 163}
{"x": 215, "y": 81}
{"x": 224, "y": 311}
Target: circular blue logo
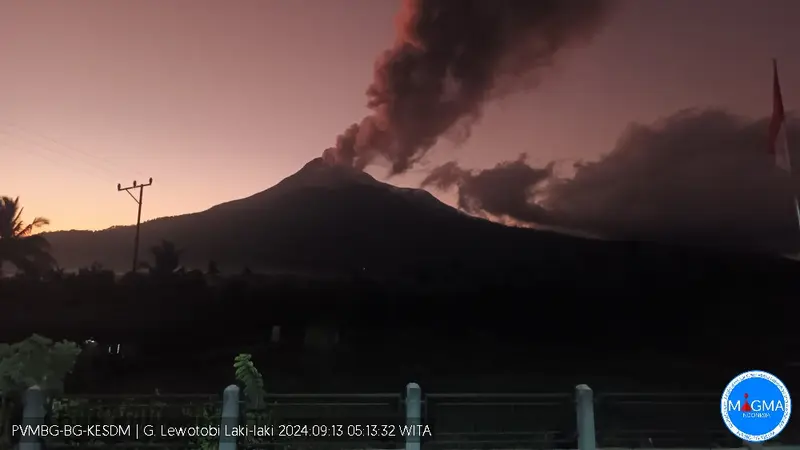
{"x": 756, "y": 406}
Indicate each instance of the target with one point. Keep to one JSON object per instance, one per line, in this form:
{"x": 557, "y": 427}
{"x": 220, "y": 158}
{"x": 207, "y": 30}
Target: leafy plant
{"x": 129, "y": 411}
{"x": 252, "y": 382}
{"x": 66, "y": 409}
{"x": 256, "y": 411}
{"x": 36, "y": 361}
{"x": 29, "y": 252}
{"x": 250, "y": 377}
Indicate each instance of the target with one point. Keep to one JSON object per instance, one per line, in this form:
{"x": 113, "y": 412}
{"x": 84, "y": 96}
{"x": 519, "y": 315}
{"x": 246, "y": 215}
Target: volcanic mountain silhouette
{"x": 322, "y": 217}
{"x": 328, "y": 218}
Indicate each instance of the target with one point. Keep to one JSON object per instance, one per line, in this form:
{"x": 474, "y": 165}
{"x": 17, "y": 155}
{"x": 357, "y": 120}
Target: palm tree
{"x": 29, "y": 252}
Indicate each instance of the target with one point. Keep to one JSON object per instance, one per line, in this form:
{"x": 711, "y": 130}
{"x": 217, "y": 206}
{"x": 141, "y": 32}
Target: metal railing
{"x": 432, "y": 421}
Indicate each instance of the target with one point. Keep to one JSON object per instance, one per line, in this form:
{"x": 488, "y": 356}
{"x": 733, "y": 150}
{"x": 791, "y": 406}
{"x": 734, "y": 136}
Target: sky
{"x": 219, "y": 99}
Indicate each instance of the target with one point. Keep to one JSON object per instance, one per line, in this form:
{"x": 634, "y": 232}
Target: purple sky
{"x": 220, "y": 99}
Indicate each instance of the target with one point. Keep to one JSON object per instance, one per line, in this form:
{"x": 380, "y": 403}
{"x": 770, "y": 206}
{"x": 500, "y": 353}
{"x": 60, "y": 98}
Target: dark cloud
{"x": 505, "y": 190}
{"x": 701, "y": 177}
{"x": 450, "y": 57}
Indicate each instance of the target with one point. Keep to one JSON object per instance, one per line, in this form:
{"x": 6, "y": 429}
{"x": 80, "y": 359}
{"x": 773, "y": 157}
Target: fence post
{"x": 753, "y": 445}
{"x": 585, "y": 408}
{"x": 413, "y": 415}
{"x": 230, "y": 417}
{"x": 33, "y": 413}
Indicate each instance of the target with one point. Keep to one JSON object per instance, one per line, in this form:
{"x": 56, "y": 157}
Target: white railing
{"x": 413, "y": 403}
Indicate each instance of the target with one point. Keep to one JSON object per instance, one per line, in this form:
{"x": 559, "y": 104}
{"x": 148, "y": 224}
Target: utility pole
{"x": 138, "y": 215}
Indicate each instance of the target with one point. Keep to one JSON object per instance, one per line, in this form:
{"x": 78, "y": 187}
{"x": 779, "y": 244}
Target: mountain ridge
{"x": 280, "y": 209}
{"x": 326, "y": 218}
{"x": 318, "y": 173}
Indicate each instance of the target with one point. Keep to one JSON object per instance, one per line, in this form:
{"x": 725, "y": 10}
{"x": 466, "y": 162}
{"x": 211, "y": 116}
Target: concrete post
{"x": 33, "y": 414}
{"x": 413, "y": 415}
{"x": 753, "y": 445}
{"x": 584, "y": 398}
{"x": 230, "y": 417}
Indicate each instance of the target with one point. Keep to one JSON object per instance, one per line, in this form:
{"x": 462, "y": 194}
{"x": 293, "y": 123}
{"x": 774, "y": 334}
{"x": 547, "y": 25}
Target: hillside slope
{"x": 335, "y": 219}
{"x": 320, "y": 217}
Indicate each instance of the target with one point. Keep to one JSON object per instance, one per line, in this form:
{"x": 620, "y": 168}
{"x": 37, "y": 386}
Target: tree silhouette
{"x": 212, "y": 268}
{"x": 29, "y": 252}
{"x": 167, "y": 258}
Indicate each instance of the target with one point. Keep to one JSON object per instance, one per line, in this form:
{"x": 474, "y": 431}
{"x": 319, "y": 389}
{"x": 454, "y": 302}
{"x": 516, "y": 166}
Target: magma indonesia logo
{"x": 756, "y": 406}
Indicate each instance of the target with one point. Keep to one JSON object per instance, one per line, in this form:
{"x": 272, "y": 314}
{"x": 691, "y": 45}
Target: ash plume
{"x": 450, "y": 57}
{"x": 696, "y": 177}
{"x": 505, "y": 190}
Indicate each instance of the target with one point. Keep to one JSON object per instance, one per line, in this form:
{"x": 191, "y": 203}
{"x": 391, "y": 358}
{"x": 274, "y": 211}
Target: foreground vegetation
{"x": 39, "y": 361}
{"x": 503, "y": 421}
{"x": 403, "y": 329}
{"x": 29, "y": 252}
{"x": 650, "y": 305}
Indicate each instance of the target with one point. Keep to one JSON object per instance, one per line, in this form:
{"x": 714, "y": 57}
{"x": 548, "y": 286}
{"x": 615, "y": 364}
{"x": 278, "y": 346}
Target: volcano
{"x": 334, "y": 219}
{"x": 323, "y": 217}
{"x": 319, "y": 176}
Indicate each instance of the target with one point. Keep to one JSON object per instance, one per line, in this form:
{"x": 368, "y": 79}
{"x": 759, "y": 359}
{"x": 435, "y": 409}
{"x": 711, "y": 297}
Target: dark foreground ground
{"x": 470, "y": 346}
{"x": 478, "y": 394}
{"x": 669, "y": 321}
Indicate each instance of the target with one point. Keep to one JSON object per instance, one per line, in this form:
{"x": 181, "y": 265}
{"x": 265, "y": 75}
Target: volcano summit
{"x": 325, "y": 216}
{"x": 335, "y": 219}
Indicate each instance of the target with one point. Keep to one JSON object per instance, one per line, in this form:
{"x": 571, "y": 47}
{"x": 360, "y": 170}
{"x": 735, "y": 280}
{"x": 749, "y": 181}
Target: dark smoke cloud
{"x": 450, "y": 57}
{"x": 700, "y": 177}
{"x": 505, "y": 190}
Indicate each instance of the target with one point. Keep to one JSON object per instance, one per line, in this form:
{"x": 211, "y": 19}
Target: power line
{"x": 138, "y": 215}
{"x": 56, "y": 158}
{"x": 41, "y": 141}
{"x": 94, "y": 160}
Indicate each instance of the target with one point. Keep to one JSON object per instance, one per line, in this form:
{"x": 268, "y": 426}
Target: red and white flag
{"x": 778, "y": 142}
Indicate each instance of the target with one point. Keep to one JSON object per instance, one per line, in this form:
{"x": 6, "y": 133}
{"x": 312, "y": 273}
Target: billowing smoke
{"x": 450, "y": 57}
{"x": 507, "y": 189}
{"x": 700, "y": 177}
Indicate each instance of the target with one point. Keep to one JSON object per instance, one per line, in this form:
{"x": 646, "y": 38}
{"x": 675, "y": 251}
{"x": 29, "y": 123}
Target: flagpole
{"x": 778, "y": 97}
{"x": 791, "y": 177}
{"x": 797, "y": 210}
{"x": 791, "y": 171}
